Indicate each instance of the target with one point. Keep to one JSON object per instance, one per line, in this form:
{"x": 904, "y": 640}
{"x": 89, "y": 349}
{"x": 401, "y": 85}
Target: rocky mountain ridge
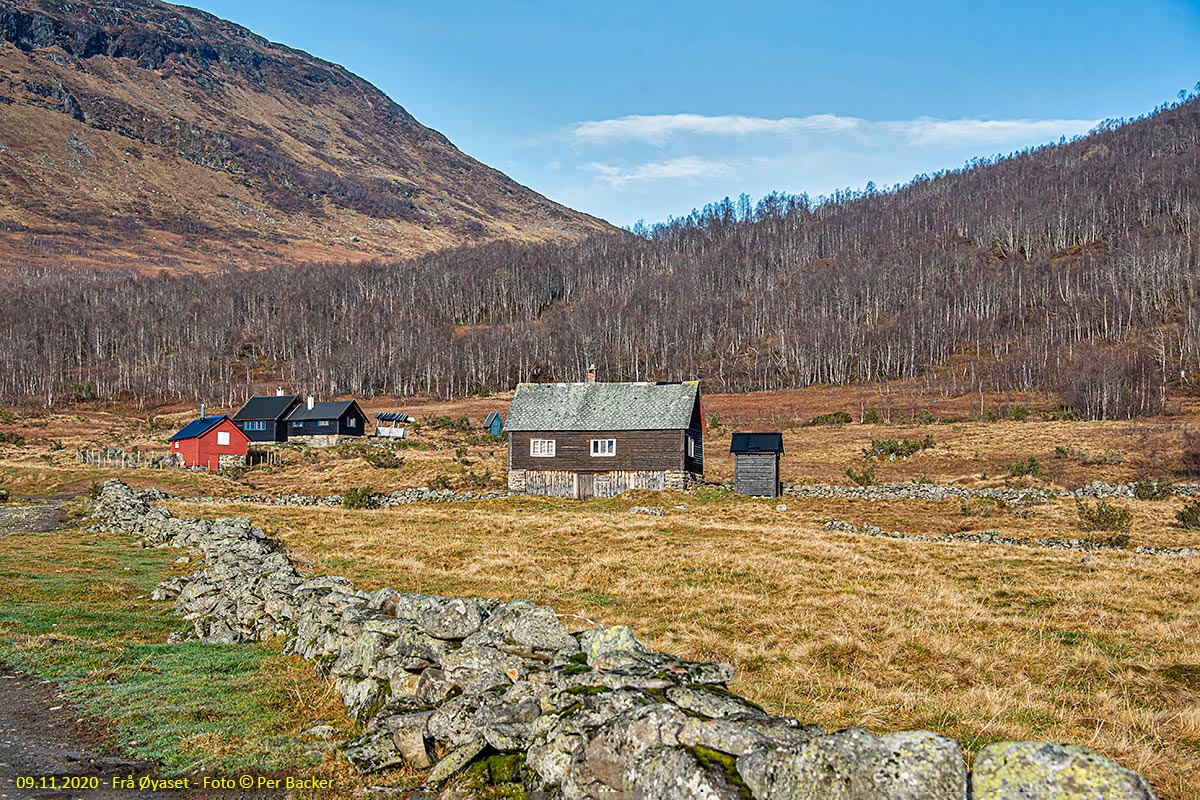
{"x": 138, "y": 133}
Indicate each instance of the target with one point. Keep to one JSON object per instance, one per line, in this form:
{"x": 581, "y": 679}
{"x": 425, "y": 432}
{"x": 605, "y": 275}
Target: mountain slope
{"x": 137, "y": 133}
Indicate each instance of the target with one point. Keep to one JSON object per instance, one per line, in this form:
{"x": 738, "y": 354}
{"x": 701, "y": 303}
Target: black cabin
{"x": 756, "y": 463}
{"x": 264, "y": 417}
{"x": 338, "y": 418}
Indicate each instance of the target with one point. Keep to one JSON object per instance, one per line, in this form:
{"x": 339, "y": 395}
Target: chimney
{"x": 310, "y": 402}
{"x": 279, "y": 391}
{"x": 202, "y": 411}
{"x": 591, "y": 373}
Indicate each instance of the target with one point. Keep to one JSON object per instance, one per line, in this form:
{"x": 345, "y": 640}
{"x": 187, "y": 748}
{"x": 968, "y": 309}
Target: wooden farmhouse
{"x": 325, "y": 424}
{"x": 264, "y": 417}
{"x": 212, "y": 442}
{"x": 756, "y": 463}
{"x": 600, "y": 439}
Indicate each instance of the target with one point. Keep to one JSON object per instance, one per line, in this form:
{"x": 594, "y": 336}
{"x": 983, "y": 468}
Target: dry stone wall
{"x": 441, "y": 681}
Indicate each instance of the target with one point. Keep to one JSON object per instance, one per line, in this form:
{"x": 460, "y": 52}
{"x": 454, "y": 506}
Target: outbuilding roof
{"x": 602, "y": 406}
{"x": 756, "y": 443}
{"x": 491, "y": 417}
{"x": 269, "y": 406}
{"x": 198, "y": 427}
{"x": 328, "y": 410}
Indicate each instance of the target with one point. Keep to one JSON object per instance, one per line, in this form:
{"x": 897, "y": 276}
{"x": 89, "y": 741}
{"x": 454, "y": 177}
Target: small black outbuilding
{"x": 756, "y": 463}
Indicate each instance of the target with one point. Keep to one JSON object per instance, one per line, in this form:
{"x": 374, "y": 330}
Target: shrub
{"x": 1189, "y": 516}
{"x": 862, "y": 477}
{"x": 923, "y": 417}
{"x": 1104, "y": 516}
{"x": 893, "y": 448}
{"x": 1018, "y": 412}
{"x": 832, "y": 418}
{"x": 1026, "y": 466}
{"x": 361, "y": 497}
{"x": 1061, "y": 451}
{"x": 872, "y": 417}
{"x": 8, "y": 437}
{"x": 442, "y": 481}
{"x": 1146, "y": 489}
{"x": 93, "y": 491}
{"x": 382, "y": 458}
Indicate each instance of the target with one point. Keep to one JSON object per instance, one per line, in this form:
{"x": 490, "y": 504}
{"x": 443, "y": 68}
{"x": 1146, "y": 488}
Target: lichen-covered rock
{"x": 454, "y": 721}
{"x": 672, "y": 773}
{"x": 599, "y": 642}
{"x": 448, "y": 617}
{"x": 855, "y": 765}
{"x": 1023, "y": 770}
{"x": 409, "y": 735}
{"x": 619, "y": 740}
{"x": 373, "y": 751}
{"x": 542, "y": 630}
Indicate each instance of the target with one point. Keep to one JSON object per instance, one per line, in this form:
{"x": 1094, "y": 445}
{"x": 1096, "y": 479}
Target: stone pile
{"x": 400, "y": 497}
{"x": 934, "y": 491}
{"x": 996, "y": 537}
{"x": 441, "y": 681}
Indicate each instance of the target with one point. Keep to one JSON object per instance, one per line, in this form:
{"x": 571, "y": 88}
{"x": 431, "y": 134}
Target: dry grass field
{"x": 981, "y": 642}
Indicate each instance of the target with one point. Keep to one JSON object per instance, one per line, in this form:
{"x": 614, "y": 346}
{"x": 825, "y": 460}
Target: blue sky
{"x": 631, "y": 110}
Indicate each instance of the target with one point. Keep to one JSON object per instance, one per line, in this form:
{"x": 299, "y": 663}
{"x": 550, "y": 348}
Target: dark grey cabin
{"x": 264, "y": 417}
{"x": 600, "y": 439}
{"x": 756, "y": 463}
{"x": 331, "y": 419}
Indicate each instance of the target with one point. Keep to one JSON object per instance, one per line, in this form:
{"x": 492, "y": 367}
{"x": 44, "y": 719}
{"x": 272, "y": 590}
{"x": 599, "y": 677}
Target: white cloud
{"x": 685, "y": 168}
{"x": 926, "y": 131}
{"x": 659, "y": 128}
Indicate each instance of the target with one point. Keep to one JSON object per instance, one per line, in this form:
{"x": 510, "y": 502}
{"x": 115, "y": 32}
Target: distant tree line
{"x": 1070, "y": 268}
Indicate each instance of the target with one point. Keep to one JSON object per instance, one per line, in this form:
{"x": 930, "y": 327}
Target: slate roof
{"x": 330, "y": 410}
{"x": 602, "y": 406}
{"x": 269, "y": 406}
{"x": 198, "y": 427}
{"x": 756, "y": 443}
{"x": 492, "y": 415}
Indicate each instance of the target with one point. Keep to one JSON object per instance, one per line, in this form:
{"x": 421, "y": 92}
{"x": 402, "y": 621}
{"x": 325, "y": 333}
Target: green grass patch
{"x": 74, "y": 610}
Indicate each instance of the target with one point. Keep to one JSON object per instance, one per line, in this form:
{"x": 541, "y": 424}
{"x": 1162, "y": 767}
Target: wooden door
{"x": 585, "y": 486}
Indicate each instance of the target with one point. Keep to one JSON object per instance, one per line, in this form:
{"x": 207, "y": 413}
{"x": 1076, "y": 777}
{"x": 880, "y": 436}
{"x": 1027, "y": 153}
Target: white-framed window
{"x": 177, "y": 445}
{"x": 351, "y": 422}
{"x": 222, "y": 437}
{"x": 691, "y": 447}
{"x": 604, "y": 447}
{"x": 541, "y": 448}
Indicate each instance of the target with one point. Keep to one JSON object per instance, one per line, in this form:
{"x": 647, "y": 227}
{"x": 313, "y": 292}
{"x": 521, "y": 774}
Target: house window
{"x": 604, "y": 447}
{"x": 541, "y": 448}
{"x": 351, "y": 422}
{"x": 222, "y": 437}
{"x": 254, "y": 425}
{"x": 322, "y": 423}
{"x": 691, "y": 447}
{"x": 177, "y": 445}
{"x": 297, "y": 423}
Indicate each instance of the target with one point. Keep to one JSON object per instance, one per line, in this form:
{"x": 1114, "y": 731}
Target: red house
{"x": 208, "y": 441}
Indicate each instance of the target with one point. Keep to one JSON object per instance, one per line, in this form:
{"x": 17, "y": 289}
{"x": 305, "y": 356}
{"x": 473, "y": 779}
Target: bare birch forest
{"x": 1070, "y": 268}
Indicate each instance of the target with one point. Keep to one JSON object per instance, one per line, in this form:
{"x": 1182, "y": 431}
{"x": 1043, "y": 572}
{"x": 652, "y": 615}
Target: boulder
{"x": 1022, "y": 770}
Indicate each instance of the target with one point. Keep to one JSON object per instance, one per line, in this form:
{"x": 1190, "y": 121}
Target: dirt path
{"x": 41, "y": 736}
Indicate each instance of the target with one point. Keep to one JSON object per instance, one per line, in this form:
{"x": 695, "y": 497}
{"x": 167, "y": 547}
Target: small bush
{"x": 832, "y": 418}
{"x": 8, "y": 437}
{"x": 923, "y": 417}
{"x": 442, "y": 481}
{"x": 1146, "y": 489}
{"x": 93, "y": 491}
{"x": 1104, "y": 516}
{"x": 872, "y": 417}
{"x": 862, "y": 477}
{"x": 382, "y": 458}
{"x": 1018, "y": 412}
{"x": 893, "y": 448}
{"x": 1026, "y": 466}
{"x": 1061, "y": 451}
{"x": 361, "y": 497}
{"x": 1189, "y": 516}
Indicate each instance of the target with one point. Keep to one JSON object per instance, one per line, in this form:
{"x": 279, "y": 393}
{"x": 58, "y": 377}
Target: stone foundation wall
{"x": 516, "y": 480}
{"x": 321, "y": 439}
{"x": 439, "y": 681}
{"x": 225, "y": 460}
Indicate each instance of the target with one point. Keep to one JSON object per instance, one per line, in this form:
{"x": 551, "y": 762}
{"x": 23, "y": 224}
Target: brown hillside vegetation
{"x": 142, "y": 134}
{"x": 983, "y": 278}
